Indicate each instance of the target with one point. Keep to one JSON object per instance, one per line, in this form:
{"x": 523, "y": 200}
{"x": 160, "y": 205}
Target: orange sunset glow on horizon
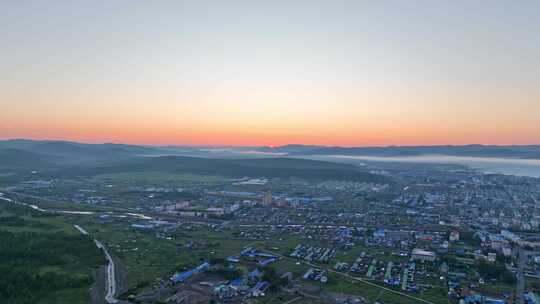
{"x": 239, "y": 74}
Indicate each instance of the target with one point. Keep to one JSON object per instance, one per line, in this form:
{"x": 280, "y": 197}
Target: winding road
{"x": 111, "y": 278}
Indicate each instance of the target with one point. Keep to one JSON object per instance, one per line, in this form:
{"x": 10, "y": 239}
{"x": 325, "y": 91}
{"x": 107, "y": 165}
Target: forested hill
{"x": 264, "y": 167}
{"x": 528, "y": 151}
{"x": 44, "y": 260}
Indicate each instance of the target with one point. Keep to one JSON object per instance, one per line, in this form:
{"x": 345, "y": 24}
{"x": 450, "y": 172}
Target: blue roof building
{"x": 266, "y": 262}
{"x": 181, "y": 277}
{"x": 255, "y": 274}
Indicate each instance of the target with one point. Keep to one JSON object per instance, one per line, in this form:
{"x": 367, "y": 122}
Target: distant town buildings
{"x": 267, "y": 199}
{"x": 454, "y": 236}
{"x": 423, "y": 255}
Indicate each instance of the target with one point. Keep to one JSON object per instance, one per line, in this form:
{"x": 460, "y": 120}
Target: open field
{"x": 146, "y": 257}
{"x": 157, "y": 176}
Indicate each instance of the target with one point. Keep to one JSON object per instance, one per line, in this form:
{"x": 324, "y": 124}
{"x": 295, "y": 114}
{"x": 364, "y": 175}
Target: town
{"x": 424, "y": 236}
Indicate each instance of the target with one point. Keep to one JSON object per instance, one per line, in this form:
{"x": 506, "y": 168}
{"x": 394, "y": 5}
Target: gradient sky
{"x": 271, "y": 72}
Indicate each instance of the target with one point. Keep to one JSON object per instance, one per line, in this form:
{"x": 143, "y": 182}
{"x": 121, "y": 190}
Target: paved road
{"x": 522, "y": 261}
{"x": 111, "y": 280}
{"x": 80, "y": 229}
{"x": 111, "y": 277}
{"x": 520, "y": 285}
{"x": 293, "y": 300}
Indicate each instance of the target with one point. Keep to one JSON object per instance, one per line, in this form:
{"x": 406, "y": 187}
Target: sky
{"x": 348, "y": 73}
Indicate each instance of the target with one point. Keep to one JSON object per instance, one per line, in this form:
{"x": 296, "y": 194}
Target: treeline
{"x": 34, "y": 266}
{"x": 24, "y": 285}
{"x": 43, "y": 249}
{"x": 269, "y": 167}
{"x": 16, "y": 221}
{"x": 496, "y": 271}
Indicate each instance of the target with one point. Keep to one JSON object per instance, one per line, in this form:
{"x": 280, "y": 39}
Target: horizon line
{"x": 259, "y": 146}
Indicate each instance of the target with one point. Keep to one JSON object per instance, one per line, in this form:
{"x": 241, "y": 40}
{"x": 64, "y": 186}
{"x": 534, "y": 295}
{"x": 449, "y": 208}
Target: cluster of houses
{"x": 316, "y": 274}
{"x": 185, "y": 208}
{"x": 313, "y": 253}
{"x": 501, "y": 243}
{"x": 183, "y": 276}
{"x": 250, "y": 285}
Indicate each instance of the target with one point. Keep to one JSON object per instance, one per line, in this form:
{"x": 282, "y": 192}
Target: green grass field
{"x": 156, "y": 176}
{"x": 341, "y": 284}
{"x": 146, "y": 258}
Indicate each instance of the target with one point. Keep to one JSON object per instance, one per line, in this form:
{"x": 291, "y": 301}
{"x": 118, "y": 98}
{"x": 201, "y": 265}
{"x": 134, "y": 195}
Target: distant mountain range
{"x": 529, "y": 151}
{"x": 17, "y": 152}
{"x": 285, "y": 161}
{"x": 76, "y": 159}
{"x": 74, "y": 151}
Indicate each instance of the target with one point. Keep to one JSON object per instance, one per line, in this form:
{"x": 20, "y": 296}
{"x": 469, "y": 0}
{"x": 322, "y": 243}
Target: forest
{"x": 40, "y": 264}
